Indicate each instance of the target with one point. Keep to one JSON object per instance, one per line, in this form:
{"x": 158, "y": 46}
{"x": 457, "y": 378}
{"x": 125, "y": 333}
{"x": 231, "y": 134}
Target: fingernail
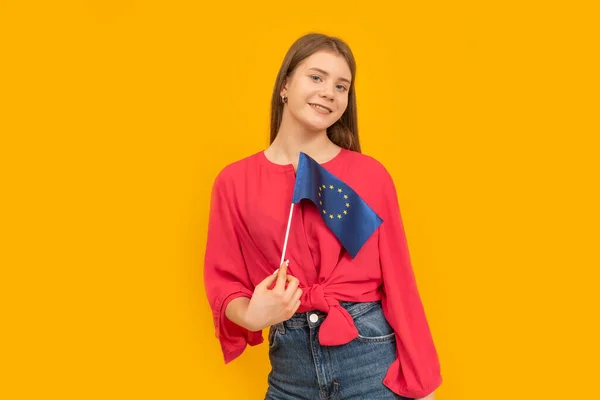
{"x": 287, "y": 262}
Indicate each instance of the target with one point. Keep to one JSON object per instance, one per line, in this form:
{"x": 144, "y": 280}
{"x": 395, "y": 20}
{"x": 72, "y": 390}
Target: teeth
{"x": 320, "y": 108}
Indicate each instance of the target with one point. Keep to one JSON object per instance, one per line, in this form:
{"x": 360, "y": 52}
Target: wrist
{"x": 236, "y": 312}
{"x": 248, "y": 321}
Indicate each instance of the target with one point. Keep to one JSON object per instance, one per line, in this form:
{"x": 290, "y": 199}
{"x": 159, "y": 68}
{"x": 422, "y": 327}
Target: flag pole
{"x": 287, "y": 235}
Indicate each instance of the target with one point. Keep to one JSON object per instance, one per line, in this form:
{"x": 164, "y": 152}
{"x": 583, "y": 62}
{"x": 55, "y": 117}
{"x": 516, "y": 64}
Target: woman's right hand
{"x": 270, "y": 306}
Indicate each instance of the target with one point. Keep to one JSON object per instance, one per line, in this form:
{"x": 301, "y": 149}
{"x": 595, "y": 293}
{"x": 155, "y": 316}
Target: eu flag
{"x": 342, "y": 209}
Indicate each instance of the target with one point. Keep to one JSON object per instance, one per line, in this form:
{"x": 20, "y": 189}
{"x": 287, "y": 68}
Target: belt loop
{"x": 280, "y": 327}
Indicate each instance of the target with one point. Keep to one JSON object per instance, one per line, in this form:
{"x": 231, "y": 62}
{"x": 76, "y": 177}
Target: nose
{"x": 327, "y": 92}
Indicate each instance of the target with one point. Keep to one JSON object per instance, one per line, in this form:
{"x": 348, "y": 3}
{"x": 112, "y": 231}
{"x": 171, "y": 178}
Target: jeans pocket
{"x": 373, "y": 327}
{"x": 273, "y": 336}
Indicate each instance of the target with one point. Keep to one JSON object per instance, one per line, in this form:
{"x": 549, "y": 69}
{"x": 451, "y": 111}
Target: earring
{"x": 284, "y": 99}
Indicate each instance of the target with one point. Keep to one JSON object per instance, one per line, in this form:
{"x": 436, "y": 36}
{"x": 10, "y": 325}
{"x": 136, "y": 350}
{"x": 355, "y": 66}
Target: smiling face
{"x": 317, "y": 90}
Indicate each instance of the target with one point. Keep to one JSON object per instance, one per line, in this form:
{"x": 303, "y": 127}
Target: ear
{"x": 284, "y": 88}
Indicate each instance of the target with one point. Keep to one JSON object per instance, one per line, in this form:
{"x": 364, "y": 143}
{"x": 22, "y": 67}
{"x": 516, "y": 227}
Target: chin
{"x": 318, "y": 124}
{"x": 311, "y": 125}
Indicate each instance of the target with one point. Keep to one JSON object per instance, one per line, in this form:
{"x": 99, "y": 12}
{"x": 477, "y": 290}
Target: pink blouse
{"x": 249, "y": 212}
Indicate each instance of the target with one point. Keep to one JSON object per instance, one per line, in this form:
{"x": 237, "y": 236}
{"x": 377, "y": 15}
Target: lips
{"x": 321, "y": 105}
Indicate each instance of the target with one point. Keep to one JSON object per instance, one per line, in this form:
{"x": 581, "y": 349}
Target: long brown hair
{"x": 343, "y": 132}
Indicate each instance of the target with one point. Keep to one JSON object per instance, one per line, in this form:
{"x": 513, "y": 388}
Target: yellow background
{"x": 117, "y": 115}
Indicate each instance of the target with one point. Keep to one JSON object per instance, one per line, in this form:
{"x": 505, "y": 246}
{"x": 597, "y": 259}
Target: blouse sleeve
{"x": 416, "y": 370}
{"x": 225, "y": 274}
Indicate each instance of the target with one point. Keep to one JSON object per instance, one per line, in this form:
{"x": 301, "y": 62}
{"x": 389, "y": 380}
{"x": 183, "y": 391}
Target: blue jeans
{"x": 303, "y": 369}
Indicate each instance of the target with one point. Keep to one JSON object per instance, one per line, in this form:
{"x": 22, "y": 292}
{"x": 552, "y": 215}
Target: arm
{"x": 241, "y": 310}
{"x": 416, "y": 371}
{"x": 267, "y": 306}
{"x": 236, "y": 310}
{"x": 225, "y": 276}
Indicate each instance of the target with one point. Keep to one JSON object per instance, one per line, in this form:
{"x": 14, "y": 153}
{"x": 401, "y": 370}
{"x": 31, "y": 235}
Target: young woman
{"x": 340, "y": 327}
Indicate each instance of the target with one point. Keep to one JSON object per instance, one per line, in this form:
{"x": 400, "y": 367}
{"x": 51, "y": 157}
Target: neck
{"x": 292, "y": 139}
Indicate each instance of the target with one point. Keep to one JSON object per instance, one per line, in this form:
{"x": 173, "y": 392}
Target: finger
{"x": 296, "y": 296}
{"x": 268, "y": 281}
{"x": 281, "y": 276}
{"x": 277, "y": 270}
{"x": 297, "y": 306}
{"x": 293, "y": 284}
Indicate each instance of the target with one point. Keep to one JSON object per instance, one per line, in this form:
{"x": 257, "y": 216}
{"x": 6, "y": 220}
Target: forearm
{"x": 236, "y": 311}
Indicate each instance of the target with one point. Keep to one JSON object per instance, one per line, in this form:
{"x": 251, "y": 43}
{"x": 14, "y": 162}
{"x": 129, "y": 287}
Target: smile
{"x": 321, "y": 109}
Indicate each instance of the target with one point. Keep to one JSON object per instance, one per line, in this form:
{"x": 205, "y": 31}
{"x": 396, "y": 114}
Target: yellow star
{"x": 320, "y": 202}
{"x": 330, "y": 186}
{"x": 340, "y": 190}
{"x": 347, "y": 204}
{"x": 324, "y": 211}
{"x": 339, "y": 216}
{"x": 345, "y": 212}
{"x": 345, "y": 196}
{"x": 319, "y": 194}
{"x": 331, "y": 216}
{"x": 324, "y": 186}
{"x": 320, "y": 188}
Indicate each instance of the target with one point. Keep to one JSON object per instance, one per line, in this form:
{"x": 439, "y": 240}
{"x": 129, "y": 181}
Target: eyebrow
{"x": 327, "y": 74}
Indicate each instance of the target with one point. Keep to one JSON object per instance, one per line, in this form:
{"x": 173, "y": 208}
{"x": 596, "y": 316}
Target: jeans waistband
{"x": 353, "y": 308}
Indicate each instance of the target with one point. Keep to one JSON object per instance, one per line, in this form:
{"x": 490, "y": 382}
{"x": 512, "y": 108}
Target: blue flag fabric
{"x": 343, "y": 210}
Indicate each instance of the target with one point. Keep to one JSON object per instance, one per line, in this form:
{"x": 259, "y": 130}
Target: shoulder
{"x": 371, "y": 180}
{"x": 235, "y": 172}
{"x": 237, "y": 169}
{"x": 368, "y": 167}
